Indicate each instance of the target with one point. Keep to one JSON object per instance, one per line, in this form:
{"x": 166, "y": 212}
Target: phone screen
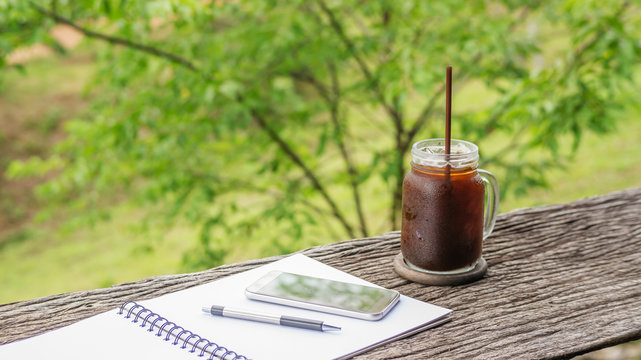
{"x": 329, "y": 293}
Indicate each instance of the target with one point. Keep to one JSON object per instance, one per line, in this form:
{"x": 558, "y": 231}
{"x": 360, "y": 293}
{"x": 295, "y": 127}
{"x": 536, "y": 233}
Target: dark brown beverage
{"x": 442, "y": 222}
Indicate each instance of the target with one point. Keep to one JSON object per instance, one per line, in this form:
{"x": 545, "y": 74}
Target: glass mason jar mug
{"x": 449, "y": 207}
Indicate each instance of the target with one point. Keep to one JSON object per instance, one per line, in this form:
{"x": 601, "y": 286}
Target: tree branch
{"x": 338, "y": 28}
{"x": 578, "y": 53}
{"x": 423, "y": 116}
{"x": 194, "y": 68}
{"x": 308, "y": 173}
{"x": 353, "y": 174}
{"x": 575, "y": 61}
{"x": 429, "y": 108}
{"x": 119, "y": 41}
{"x": 392, "y": 109}
{"x": 332, "y": 99}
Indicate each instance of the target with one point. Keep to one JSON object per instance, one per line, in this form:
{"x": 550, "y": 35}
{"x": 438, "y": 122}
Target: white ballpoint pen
{"x": 284, "y": 320}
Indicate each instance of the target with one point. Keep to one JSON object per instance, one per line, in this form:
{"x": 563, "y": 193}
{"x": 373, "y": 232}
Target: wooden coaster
{"x": 405, "y": 271}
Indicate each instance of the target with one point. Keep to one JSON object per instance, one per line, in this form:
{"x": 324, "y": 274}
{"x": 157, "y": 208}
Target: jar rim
{"x": 431, "y": 152}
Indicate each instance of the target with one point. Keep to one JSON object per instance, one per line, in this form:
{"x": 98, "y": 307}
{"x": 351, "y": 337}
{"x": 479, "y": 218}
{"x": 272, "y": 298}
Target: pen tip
{"x": 327, "y": 327}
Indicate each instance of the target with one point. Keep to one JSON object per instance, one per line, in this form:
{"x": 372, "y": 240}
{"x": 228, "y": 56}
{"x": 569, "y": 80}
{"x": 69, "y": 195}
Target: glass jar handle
{"x": 491, "y": 202}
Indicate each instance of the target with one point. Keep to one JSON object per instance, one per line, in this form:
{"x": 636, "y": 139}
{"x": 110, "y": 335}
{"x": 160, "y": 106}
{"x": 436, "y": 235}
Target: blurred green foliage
{"x": 298, "y": 115}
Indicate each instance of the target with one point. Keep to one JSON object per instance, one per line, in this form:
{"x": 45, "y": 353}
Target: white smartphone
{"x": 335, "y": 297}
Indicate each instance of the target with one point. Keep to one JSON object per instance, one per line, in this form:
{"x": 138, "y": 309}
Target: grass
{"x": 50, "y": 261}
{"x": 602, "y": 164}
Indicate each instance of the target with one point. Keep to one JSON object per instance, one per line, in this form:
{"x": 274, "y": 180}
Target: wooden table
{"x": 562, "y": 280}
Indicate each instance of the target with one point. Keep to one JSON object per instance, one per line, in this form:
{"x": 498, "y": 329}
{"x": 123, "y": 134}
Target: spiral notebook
{"x": 173, "y": 326}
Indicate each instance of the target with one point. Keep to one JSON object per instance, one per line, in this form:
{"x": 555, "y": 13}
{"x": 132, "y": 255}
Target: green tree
{"x": 298, "y": 115}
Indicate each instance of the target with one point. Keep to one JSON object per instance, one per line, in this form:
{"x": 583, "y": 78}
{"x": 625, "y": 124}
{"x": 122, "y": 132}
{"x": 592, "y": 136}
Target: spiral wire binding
{"x": 168, "y": 327}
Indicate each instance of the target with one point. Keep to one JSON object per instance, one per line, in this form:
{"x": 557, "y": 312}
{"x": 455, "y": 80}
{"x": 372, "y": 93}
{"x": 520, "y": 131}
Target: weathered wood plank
{"x": 562, "y": 280}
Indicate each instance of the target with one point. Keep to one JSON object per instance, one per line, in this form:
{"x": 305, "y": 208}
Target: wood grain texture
{"x": 562, "y": 280}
